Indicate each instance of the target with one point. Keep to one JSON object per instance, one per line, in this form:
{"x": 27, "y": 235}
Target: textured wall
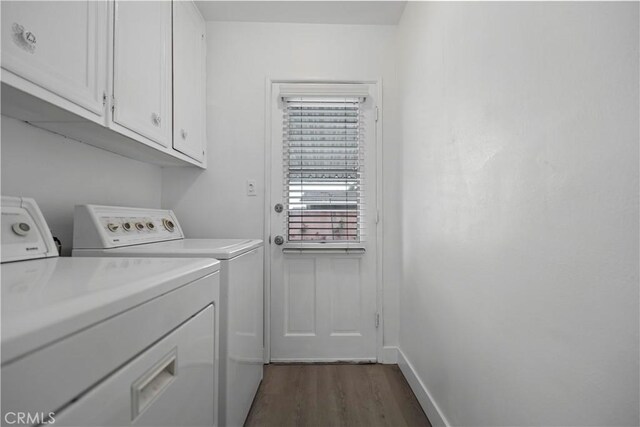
{"x": 519, "y": 304}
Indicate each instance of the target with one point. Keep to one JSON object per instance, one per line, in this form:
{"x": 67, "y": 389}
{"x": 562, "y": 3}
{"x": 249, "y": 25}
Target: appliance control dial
{"x": 168, "y": 224}
{"x": 21, "y": 228}
{"x": 151, "y": 226}
{"x": 113, "y": 227}
{"x": 127, "y": 226}
{"x": 140, "y": 226}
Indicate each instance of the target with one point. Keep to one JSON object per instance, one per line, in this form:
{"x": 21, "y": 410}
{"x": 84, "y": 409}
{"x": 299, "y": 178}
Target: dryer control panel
{"x": 101, "y": 227}
{"x": 25, "y": 234}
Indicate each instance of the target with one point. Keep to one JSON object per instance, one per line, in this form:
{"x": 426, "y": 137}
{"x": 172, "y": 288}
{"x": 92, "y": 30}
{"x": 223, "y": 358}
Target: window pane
{"x": 323, "y": 153}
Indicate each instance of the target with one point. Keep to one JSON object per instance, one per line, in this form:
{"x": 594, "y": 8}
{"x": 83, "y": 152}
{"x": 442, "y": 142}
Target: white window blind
{"x": 323, "y": 153}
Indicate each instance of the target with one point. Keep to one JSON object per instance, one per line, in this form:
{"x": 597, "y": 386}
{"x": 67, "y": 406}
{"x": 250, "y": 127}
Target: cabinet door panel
{"x": 142, "y": 68}
{"x": 189, "y": 80}
{"x": 59, "y": 46}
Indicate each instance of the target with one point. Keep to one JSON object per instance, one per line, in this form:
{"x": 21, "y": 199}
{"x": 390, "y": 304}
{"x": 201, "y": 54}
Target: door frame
{"x": 269, "y": 83}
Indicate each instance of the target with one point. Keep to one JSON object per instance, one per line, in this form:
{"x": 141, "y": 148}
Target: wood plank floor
{"x": 327, "y": 395}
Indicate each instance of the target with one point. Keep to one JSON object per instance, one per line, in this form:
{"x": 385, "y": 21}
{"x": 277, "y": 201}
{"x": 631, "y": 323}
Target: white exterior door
{"x": 142, "y": 69}
{"x": 323, "y": 274}
{"x": 60, "y": 46}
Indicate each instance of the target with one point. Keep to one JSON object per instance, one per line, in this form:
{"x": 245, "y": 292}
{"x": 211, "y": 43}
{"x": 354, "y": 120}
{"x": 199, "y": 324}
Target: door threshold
{"x": 325, "y": 362}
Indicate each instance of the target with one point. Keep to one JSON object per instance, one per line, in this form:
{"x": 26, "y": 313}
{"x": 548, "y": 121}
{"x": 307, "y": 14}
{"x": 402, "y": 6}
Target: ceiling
{"x": 309, "y": 12}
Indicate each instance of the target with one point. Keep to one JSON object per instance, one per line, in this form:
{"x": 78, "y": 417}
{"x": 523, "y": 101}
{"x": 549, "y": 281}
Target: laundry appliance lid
{"x": 45, "y": 300}
{"x": 214, "y": 248}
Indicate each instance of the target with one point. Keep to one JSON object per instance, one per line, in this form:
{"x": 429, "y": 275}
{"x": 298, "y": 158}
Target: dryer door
{"x": 172, "y": 383}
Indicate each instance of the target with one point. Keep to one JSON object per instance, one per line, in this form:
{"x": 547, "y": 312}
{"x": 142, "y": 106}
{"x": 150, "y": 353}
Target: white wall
{"x": 60, "y": 173}
{"x": 520, "y": 210}
{"x": 240, "y": 56}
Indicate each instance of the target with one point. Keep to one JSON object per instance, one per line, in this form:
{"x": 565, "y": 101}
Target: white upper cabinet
{"x": 189, "y": 80}
{"x": 60, "y": 47}
{"x": 109, "y": 73}
{"x": 142, "y": 69}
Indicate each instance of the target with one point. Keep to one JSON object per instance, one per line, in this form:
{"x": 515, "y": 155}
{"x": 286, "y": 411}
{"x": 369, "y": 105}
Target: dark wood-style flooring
{"x": 327, "y": 395}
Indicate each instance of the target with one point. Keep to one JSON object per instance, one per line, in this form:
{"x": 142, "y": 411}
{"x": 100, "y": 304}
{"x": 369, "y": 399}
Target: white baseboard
{"x": 429, "y": 406}
{"x": 389, "y": 355}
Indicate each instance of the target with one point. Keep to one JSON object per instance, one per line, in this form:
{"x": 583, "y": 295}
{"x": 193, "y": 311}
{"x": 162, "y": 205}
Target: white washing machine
{"x": 117, "y": 231}
{"x": 103, "y": 341}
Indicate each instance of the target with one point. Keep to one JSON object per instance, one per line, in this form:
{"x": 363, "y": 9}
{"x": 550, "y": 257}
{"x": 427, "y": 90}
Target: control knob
{"x": 140, "y": 226}
{"x": 113, "y": 227}
{"x": 21, "y": 228}
{"x": 127, "y": 226}
{"x": 168, "y": 224}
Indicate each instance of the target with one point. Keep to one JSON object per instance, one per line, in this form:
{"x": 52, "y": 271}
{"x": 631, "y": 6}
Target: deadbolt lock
{"x": 278, "y": 207}
{"x": 278, "y": 240}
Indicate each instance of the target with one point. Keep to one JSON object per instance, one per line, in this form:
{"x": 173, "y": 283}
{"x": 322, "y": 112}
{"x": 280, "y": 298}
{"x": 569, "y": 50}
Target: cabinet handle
{"x": 25, "y": 40}
{"x": 155, "y": 119}
{"x": 183, "y": 133}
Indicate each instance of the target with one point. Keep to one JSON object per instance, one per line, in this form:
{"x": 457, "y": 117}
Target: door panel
{"x": 300, "y": 297}
{"x": 189, "y": 80}
{"x": 323, "y": 302}
{"x": 345, "y": 282}
{"x": 142, "y": 69}
{"x": 59, "y": 46}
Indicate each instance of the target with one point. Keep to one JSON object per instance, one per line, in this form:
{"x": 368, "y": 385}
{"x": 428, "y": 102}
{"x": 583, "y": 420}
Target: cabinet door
{"x": 59, "y": 46}
{"x": 142, "y": 68}
{"x": 189, "y": 80}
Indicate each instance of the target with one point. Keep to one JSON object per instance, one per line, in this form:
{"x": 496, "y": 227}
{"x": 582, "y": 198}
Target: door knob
{"x": 278, "y": 207}
{"x": 278, "y": 240}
